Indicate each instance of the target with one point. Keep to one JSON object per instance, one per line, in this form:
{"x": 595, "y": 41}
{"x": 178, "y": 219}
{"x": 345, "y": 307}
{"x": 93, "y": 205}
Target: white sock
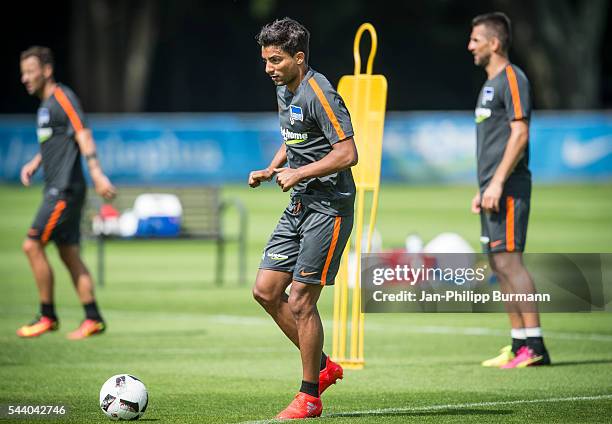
{"x": 518, "y": 333}
{"x": 533, "y": 332}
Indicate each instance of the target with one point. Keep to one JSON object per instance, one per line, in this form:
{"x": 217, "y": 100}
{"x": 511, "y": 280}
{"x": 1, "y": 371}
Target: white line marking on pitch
{"x": 264, "y": 321}
{"x": 483, "y": 331}
{"x": 385, "y": 411}
{"x": 430, "y": 329}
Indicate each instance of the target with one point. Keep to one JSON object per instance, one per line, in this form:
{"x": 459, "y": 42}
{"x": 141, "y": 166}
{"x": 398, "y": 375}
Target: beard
{"x": 483, "y": 61}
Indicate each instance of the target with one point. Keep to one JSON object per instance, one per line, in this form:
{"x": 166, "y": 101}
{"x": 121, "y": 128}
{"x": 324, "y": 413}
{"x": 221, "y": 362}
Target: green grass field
{"x": 210, "y": 354}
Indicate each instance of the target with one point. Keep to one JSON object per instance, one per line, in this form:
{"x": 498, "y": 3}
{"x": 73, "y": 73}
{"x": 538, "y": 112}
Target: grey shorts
{"x": 59, "y": 217}
{"x": 308, "y": 244}
{"x": 505, "y": 231}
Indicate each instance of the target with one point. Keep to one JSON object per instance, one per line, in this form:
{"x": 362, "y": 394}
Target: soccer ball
{"x": 123, "y": 397}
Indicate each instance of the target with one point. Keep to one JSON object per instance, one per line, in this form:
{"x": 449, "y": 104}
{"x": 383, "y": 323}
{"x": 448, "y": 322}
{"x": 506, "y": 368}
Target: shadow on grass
{"x": 415, "y": 413}
{"x": 169, "y": 333}
{"x": 586, "y": 362}
{"x": 554, "y": 363}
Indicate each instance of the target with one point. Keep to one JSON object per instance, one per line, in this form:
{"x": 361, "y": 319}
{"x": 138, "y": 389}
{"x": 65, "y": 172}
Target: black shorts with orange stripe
{"x": 59, "y": 216}
{"x": 506, "y": 231}
{"x": 307, "y": 243}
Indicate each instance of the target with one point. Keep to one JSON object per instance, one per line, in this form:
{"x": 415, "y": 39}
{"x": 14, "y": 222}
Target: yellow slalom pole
{"x": 365, "y": 95}
{"x": 363, "y": 28}
{"x": 356, "y": 310}
{"x": 336, "y": 314}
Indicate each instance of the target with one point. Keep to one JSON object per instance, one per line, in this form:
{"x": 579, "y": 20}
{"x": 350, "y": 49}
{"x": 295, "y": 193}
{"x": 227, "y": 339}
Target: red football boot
{"x": 303, "y": 406}
{"x": 88, "y": 328}
{"x": 329, "y": 375}
{"x": 40, "y": 325}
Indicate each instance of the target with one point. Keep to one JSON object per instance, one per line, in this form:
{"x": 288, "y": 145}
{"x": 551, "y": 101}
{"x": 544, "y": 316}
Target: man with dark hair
{"x": 304, "y": 250}
{"x": 63, "y": 137}
{"x": 503, "y": 112}
{"x": 499, "y": 24}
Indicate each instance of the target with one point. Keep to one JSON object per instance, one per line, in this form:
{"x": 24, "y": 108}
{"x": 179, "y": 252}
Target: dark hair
{"x": 44, "y": 54}
{"x": 499, "y": 23}
{"x": 287, "y": 34}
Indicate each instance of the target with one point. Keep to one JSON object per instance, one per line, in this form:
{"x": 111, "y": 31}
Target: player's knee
{"x": 502, "y": 264}
{"x": 493, "y": 265}
{"x": 31, "y": 247}
{"x": 264, "y": 297}
{"x": 500, "y": 268}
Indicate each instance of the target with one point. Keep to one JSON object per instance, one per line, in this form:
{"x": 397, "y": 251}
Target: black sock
{"x": 91, "y": 311}
{"x": 517, "y": 344}
{"x": 536, "y": 344}
{"x": 323, "y": 361}
{"x": 309, "y": 388}
{"x": 48, "y": 310}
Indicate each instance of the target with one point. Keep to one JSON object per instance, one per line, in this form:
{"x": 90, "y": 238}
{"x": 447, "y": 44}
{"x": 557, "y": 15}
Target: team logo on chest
{"x": 43, "y": 116}
{"x": 295, "y": 114}
{"x": 487, "y": 95}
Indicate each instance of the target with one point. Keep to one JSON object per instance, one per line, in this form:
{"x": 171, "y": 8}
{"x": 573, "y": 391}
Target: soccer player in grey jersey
{"x": 502, "y": 119}
{"x": 305, "y": 248}
{"x": 63, "y": 137}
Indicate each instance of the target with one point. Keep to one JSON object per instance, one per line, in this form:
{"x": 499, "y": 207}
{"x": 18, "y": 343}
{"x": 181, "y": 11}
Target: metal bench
{"x": 202, "y": 219}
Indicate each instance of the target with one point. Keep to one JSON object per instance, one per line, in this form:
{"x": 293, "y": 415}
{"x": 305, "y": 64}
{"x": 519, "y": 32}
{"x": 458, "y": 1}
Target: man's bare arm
{"x": 87, "y": 146}
{"x": 29, "y": 169}
{"x": 280, "y": 158}
{"x": 342, "y": 156}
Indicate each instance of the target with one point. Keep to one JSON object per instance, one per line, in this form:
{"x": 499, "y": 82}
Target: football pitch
{"x": 210, "y": 354}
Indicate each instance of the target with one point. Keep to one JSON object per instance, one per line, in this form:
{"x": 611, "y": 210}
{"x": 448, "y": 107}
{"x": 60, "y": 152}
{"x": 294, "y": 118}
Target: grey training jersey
{"x": 59, "y": 118}
{"x": 502, "y": 99}
{"x": 312, "y": 119}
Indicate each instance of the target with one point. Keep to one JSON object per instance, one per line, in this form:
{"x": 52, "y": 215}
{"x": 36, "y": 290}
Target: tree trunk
{"x": 560, "y": 41}
{"x": 112, "y": 48}
{"x": 139, "y": 55}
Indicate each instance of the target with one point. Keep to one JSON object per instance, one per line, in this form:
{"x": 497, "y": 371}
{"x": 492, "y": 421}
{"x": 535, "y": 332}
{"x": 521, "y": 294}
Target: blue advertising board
{"x": 418, "y": 147}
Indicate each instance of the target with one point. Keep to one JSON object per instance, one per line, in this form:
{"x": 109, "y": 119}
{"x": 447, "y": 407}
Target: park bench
{"x": 202, "y": 219}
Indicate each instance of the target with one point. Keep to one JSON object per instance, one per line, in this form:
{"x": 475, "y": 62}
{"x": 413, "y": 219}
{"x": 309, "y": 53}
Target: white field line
{"x": 483, "y": 331}
{"x": 431, "y": 408}
{"x": 433, "y": 329}
{"x": 266, "y": 321}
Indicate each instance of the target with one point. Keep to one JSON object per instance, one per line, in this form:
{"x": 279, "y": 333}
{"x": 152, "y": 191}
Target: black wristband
{"x": 91, "y": 156}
